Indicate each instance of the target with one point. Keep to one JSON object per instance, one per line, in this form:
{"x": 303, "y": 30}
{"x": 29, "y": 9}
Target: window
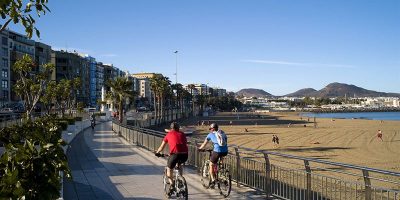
{"x": 4, "y": 41}
{"x": 5, "y": 52}
{"x": 4, "y": 84}
{"x": 5, "y": 63}
{"x": 4, "y": 73}
{"x": 5, "y": 94}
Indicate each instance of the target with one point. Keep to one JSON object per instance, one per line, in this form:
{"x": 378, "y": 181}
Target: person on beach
{"x": 380, "y": 135}
{"x": 273, "y": 139}
{"x": 276, "y": 139}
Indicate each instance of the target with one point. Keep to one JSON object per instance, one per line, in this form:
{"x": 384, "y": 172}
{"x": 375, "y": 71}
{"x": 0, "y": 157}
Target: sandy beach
{"x": 352, "y": 141}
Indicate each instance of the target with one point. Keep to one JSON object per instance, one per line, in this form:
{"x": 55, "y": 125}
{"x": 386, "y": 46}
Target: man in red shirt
{"x": 178, "y": 149}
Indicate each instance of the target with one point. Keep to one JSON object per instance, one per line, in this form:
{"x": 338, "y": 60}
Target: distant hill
{"x": 302, "y": 93}
{"x": 251, "y": 92}
{"x": 340, "y": 90}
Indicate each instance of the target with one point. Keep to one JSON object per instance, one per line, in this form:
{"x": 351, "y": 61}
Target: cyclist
{"x": 219, "y": 140}
{"x": 178, "y": 150}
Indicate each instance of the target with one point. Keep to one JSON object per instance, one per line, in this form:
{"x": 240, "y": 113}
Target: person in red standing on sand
{"x": 380, "y": 135}
{"x": 178, "y": 150}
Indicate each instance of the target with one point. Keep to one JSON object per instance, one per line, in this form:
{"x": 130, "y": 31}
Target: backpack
{"x": 221, "y": 137}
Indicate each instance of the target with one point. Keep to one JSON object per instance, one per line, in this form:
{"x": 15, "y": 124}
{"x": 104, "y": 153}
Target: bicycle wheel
{"x": 205, "y": 174}
{"x": 166, "y": 184}
{"x": 224, "y": 182}
{"x": 181, "y": 188}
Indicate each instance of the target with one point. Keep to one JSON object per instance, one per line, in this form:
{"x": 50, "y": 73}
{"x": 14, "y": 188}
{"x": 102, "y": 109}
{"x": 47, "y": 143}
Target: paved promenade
{"x": 105, "y": 166}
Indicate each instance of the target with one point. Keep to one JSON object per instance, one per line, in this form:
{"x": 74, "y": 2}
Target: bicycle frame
{"x": 216, "y": 170}
{"x": 180, "y": 186}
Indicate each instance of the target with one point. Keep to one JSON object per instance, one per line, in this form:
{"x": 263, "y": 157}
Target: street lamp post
{"x": 176, "y": 67}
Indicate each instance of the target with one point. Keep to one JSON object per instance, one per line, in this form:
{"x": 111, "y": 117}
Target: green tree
{"x": 121, "y": 89}
{"x": 76, "y": 83}
{"x": 179, "y": 95}
{"x": 49, "y": 96}
{"x": 17, "y": 12}
{"x": 63, "y": 95}
{"x": 225, "y": 103}
{"x": 30, "y": 87}
{"x": 201, "y": 100}
{"x": 161, "y": 86}
{"x": 186, "y": 97}
{"x": 192, "y": 87}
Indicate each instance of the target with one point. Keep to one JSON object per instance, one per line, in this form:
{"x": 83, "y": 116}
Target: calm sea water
{"x": 362, "y": 115}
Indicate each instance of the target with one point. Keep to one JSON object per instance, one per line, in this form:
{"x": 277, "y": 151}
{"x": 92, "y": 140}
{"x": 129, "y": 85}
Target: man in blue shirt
{"x": 219, "y": 140}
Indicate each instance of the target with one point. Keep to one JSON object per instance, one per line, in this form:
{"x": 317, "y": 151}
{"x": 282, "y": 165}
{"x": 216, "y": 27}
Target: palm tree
{"x": 186, "y": 97}
{"x": 179, "y": 95}
{"x": 121, "y": 89}
{"x": 155, "y": 83}
{"x": 192, "y": 87}
{"x": 201, "y": 100}
{"x": 165, "y": 89}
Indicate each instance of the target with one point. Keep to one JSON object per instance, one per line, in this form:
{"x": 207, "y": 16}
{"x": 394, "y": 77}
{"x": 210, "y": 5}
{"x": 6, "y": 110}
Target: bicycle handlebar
{"x": 205, "y": 150}
{"x": 161, "y": 155}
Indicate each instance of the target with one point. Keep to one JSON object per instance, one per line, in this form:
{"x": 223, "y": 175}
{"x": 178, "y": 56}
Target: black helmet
{"x": 175, "y": 126}
{"x": 214, "y": 126}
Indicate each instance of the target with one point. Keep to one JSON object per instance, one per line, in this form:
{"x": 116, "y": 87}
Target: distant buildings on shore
{"x": 204, "y": 89}
{"x": 289, "y": 103}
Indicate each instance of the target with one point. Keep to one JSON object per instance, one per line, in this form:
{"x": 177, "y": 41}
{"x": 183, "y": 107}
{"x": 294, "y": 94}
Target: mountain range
{"x": 331, "y": 90}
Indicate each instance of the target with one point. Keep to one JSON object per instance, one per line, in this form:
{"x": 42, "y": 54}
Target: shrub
{"x": 78, "y": 119}
{"x": 100, "y": 114}
{"x": 70, "y": 120}
{"x": 33, "y": 158}
{"x": 63, "y": 125}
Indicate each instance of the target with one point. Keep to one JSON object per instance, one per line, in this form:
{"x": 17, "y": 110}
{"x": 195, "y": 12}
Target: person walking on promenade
{"x": 178, "y": 150}
{"x": 380, "y": 135}
{"x": 220, "y": 142}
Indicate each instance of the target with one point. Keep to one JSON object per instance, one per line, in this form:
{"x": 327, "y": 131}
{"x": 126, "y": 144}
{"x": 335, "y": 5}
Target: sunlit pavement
{"x": 104, "y": 166}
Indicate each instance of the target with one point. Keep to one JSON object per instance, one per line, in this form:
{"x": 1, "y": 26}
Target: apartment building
{"x": 99, "y": 80}
{"x": 218, "y": 92}
{"x": 143, "y": 85}
{"x": 42, "y": 55}
{"x": 5, "y": 69}
{"x": 19, "y": 45}
{"x": 70, "y": 65}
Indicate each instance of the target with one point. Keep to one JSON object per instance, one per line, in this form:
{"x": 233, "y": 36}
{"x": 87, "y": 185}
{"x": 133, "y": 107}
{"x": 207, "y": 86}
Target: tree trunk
{"x": 155, "y": 109}
{"x": 120, "y": 111}
{"x": 162, "y": 109}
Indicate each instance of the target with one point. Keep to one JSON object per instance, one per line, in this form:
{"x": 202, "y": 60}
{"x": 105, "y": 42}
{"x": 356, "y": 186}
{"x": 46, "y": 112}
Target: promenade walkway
{"x": 104, "y": 166}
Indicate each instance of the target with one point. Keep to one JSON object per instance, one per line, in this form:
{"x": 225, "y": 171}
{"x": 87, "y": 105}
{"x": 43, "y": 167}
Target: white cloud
{"x": 299, "y": 64}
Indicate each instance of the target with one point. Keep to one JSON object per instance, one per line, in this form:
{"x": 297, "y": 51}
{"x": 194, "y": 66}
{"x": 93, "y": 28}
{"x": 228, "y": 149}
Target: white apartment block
{"x": 144, "y": 87}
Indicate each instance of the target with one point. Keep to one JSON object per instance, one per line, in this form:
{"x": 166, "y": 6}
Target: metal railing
{"x": 286, "y": 176}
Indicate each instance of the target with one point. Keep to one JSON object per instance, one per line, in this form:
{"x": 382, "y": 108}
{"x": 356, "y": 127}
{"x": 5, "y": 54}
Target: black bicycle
{"x": 221, "y": 173}
{"x": 180, "y": 189}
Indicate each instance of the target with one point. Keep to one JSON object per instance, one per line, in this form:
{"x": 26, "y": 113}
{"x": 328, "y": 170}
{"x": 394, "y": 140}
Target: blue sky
{"x": 278, "y": 46}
